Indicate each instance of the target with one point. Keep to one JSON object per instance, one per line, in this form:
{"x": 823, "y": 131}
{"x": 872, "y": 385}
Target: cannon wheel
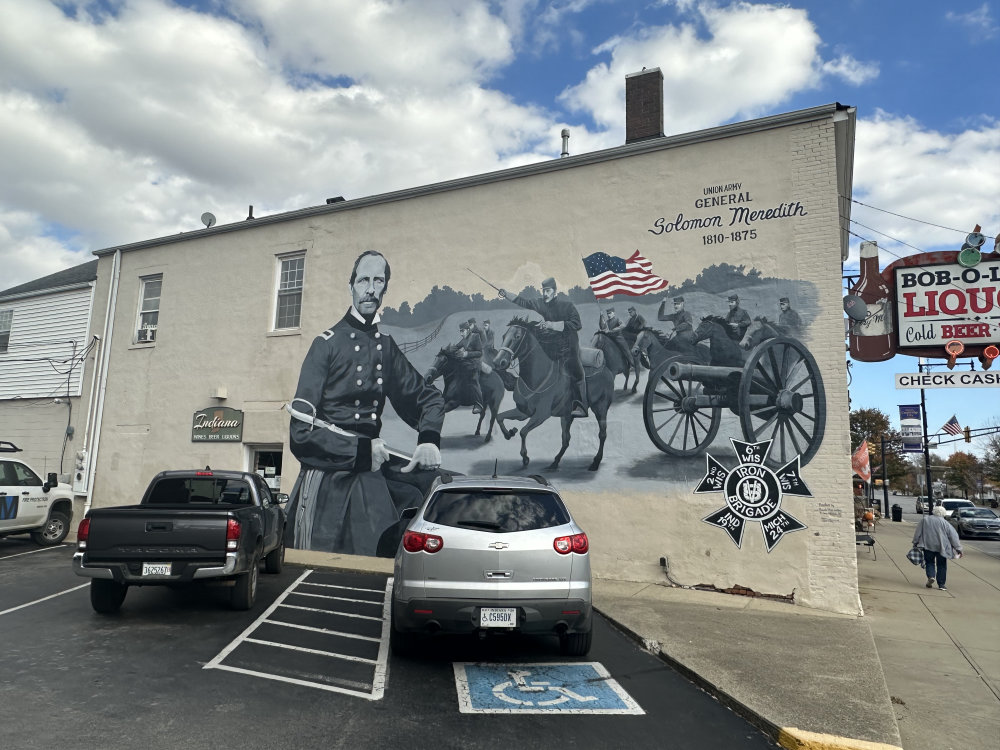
{"x": 781, "y": 398}
{"x": 674, "y": 424}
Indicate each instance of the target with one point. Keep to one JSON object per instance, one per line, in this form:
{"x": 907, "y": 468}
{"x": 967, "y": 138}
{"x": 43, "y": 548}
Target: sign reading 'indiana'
{"x": 753, "y": 493}
{"x": 217, "y": 424}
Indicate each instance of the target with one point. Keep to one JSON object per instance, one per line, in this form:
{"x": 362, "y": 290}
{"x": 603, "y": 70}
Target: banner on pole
{"x": 910, "y": 428}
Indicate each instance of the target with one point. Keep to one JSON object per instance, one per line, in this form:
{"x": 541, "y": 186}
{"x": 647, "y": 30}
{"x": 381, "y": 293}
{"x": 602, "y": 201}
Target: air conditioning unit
{"x": 145, "y": 335}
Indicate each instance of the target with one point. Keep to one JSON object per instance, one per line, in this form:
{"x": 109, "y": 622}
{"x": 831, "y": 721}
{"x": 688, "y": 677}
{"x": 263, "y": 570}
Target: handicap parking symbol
{"x": 576, "y": 688}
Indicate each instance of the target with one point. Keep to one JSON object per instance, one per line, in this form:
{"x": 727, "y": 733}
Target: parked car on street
{"x": 975, "y": 522}
{"x": 951, "y": 504}
{"x": 923, "y": 506}
{"x": 492, "y": 555}
{"x": 30, "y": 506}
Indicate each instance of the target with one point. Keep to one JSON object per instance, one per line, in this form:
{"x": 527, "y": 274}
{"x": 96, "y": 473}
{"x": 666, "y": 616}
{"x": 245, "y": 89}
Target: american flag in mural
{"x": 610, "y": 275}
{"x": 952, "y": 427}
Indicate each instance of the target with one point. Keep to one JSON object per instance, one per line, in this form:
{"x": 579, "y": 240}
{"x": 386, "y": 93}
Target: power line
{"x": 908, "y": 218}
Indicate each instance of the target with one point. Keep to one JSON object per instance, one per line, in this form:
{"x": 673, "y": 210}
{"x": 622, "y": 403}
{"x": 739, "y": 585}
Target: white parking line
{"x": 33, "y": 551}
{"x": 381, "y": 667}
{"x": 43, "y": 599}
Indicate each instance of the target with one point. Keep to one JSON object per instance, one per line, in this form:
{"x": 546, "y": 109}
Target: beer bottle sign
{"x": 872, "y": 339}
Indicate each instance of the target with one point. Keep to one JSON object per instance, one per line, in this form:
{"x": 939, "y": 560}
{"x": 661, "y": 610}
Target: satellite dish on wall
{"x": 208, "y": 219}
{"x": 855, "y": 307}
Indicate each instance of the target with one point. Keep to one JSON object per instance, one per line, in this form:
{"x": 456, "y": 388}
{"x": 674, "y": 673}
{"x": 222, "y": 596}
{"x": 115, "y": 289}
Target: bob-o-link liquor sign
{"x": 217, "y": 424}
{"x": 936, "y": 304}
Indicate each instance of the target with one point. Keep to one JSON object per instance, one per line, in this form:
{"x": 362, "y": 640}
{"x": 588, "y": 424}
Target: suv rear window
{"x": 496, "y": 510}
{"x": 214, "y": 490}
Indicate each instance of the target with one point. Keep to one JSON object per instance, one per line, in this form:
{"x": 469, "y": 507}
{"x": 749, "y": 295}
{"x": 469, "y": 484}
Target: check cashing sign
{"x": 936, "y": 304}
{"x": 963, "y": 379}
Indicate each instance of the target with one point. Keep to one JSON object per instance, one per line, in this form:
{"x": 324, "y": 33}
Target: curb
{"x": 790, "y": 738}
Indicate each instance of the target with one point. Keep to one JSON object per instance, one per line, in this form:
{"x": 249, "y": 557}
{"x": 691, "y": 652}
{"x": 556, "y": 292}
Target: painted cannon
{"x": 776, "y": 389}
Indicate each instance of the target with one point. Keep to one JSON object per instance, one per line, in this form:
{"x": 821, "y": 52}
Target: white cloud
{"x": 146, "y": 118}
{"x": 980, "y": 22}
{"x": 728, "y": 63}
{"x": 851, "y": 70}
{"x": 945, "y": 179}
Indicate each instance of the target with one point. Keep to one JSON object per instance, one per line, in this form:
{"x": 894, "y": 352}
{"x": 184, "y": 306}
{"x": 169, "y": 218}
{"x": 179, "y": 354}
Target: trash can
{"x": 897, "y": 512}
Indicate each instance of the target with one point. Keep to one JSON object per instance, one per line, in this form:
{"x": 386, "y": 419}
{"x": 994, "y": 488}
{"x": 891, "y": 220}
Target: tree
{"x": 872, "y": 425}
{"x": 963, "y": 473}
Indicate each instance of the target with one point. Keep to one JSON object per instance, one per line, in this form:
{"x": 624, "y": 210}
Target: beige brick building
{"x": 219, "y": 319}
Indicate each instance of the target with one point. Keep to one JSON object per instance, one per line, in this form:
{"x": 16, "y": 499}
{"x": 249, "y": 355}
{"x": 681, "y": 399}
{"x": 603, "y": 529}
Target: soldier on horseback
{"x": 611, "y": 324}
{"x": 681, "y": 318}
{"x": 471, "y": 354}
{"x": 560, "y": 315}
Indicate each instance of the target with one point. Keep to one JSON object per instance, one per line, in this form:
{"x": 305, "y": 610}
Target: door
{"x": 265, "y": 462}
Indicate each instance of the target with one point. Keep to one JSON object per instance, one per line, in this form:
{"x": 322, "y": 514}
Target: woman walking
{"x": 939, "y": 541}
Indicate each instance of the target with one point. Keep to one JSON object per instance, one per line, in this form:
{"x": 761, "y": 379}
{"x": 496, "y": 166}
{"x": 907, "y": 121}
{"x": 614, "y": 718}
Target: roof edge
{"x": 552, "y": 165}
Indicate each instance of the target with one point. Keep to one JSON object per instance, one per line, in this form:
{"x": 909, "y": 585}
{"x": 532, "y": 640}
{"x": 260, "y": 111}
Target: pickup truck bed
{"x": 190, "y": 526}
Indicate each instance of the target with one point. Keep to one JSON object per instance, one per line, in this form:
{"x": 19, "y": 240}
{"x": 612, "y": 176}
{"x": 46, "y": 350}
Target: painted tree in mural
{"x": 872, "y": 425}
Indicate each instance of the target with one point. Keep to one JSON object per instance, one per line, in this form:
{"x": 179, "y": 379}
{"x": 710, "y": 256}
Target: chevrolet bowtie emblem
{"x": 498, "y": 545}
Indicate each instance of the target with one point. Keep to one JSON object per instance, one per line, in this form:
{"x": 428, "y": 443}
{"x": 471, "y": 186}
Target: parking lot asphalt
{"x": 309, "y": 666}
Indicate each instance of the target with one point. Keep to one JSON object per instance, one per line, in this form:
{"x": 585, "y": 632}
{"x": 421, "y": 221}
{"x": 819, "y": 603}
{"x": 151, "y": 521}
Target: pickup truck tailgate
{"x": 139, "y": 533}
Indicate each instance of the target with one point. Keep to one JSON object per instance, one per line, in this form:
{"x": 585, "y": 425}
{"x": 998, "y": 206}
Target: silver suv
{"x": 492, "y": 554}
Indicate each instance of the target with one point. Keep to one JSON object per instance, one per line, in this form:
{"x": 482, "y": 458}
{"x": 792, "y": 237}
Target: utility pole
{"x": 927, "y": 448}
{"x": 885, "y": 483}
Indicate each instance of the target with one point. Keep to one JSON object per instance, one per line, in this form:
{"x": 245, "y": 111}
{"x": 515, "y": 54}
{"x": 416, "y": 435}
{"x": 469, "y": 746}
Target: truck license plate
{"x": 492, "y": 617}
{"x": 155, "y": 569}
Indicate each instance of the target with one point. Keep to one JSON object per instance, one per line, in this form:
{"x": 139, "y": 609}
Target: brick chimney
{"x": 643, "y": 105}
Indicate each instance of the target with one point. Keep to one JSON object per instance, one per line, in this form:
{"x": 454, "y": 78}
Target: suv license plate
{"x": 491, "y": 617}
{"x": 155, "y": 569}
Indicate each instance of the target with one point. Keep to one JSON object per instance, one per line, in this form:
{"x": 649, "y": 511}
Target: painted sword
{"x": 316, "y": 422}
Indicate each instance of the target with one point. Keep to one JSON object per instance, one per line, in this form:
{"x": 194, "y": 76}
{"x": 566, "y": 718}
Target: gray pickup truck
{"x": 189, "y": 526}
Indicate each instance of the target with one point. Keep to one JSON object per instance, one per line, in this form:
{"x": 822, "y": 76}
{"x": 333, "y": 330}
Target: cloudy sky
{"x": 124, "y": 120}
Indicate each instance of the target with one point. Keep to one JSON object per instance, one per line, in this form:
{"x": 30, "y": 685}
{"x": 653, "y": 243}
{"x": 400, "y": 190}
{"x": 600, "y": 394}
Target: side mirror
{"x": 280, "y": 498}
{"x": 51, "y": 480}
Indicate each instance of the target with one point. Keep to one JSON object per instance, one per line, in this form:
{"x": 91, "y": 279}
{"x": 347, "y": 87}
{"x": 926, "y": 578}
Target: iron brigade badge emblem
{"x": 753, "y": 493}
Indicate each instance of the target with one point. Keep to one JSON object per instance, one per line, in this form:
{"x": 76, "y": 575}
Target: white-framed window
{"x": 288, "y": 305}
{"x": 148, "y": 315}
{"x": 6, "y": 321}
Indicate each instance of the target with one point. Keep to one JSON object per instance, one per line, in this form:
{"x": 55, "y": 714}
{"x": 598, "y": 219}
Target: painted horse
{"x": 543, "y": 387}
{"x": 723, "y": 348}
{"x": 762, "y": 329}
{"x": 657, "y": 346}
{"x": 616, "y": 356}
{"x": 450, "y": 365}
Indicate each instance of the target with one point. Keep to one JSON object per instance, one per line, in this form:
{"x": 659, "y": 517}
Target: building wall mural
{"x": 705, "y": 427}
{"x": 550, "y": 370}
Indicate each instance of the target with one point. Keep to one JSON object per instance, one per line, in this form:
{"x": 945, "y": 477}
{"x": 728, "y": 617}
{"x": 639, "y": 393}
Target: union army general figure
{"x": 349, "y": 494}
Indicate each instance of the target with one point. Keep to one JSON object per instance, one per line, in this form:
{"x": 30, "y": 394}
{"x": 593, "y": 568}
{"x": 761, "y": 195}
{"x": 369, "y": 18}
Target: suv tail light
{"x": 415, "y": 541}
{"x": 82, "y": 534}
{"x": 233, "y": 530}
{"x": 577, "y": 543}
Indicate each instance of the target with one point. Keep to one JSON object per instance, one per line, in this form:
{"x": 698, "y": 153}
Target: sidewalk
{"x": 921, "y": 669}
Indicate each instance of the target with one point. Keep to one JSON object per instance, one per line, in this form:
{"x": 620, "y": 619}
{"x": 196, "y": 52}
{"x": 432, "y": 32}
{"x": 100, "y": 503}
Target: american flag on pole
{"x": 952, "y": 427}
{"x": 609, "y": 275}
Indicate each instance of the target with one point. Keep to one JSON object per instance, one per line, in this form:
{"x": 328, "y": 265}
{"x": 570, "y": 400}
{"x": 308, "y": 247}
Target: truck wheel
{"x": 245, "y": 591}
{"x": 275, "y": 558}
{"x": 54, "y": 530}
{"x": 106, "y": 596}
{"x": 575, "y": 644}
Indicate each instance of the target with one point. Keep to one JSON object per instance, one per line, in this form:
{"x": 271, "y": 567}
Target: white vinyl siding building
{"x": 50, "y": 343}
